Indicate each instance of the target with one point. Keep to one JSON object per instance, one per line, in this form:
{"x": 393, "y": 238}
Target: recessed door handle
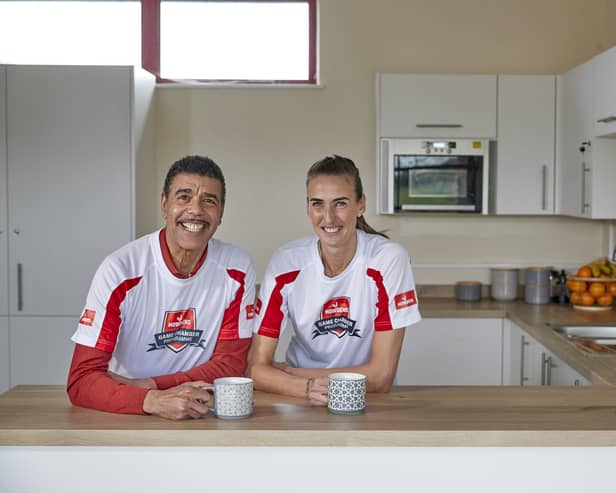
{"x": 20, "y": 298}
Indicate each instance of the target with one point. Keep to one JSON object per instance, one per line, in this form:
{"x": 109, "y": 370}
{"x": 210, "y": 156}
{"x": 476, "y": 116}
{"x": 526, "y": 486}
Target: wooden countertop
{"x": 408, "y": 416}
{"x": 534, "y": 319}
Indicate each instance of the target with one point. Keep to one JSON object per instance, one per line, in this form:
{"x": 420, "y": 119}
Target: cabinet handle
{"x": 438, "y": 125}
{"x": 607, "y": 119}
{"x": 20, "y": 299}
{"x": 585, "y": 170}
{"x": 544, "y": 183}
{"x": 522, "y": 377}
{"x": 546, "y": 369}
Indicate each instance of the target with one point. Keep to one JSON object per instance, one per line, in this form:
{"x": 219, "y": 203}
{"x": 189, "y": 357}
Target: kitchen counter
{"x": 534, "y": 319}
{"x": 406, "y": 417}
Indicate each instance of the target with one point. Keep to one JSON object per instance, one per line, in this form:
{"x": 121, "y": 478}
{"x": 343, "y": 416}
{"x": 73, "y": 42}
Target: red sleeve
{"x": 89, "y": 384}
{"x": 228, "y": 360}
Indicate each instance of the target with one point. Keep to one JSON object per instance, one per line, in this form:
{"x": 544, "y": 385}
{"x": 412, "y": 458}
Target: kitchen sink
{"x": 593, "y": 339}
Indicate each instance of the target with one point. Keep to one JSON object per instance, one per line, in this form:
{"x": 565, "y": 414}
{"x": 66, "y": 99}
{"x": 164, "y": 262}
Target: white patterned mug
{"x": 346, "y": 393}
{"x": 232, "y": 397}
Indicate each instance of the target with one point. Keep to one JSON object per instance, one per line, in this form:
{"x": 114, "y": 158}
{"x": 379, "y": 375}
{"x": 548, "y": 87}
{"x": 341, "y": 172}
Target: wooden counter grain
{"x": 406, "y": 417}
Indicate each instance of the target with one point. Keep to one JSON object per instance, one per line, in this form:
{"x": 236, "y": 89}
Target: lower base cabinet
{"x": 527, "y": 362}
{"x": 452, "y": 351}
{"x": 40, "y": 349}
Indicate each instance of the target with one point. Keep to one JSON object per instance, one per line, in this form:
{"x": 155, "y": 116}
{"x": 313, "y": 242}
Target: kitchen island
{"x": 432, "y": 438}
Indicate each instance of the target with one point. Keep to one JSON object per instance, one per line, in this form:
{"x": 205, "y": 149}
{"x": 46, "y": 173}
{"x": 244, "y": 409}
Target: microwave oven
{"x": 434, "y": 175}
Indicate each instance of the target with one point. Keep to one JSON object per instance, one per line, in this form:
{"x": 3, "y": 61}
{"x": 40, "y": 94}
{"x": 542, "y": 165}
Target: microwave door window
{"x": 435, "y": 182}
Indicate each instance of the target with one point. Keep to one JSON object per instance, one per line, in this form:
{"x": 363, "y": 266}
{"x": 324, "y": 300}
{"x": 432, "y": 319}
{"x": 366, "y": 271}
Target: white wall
{"x": 266, "y": 138}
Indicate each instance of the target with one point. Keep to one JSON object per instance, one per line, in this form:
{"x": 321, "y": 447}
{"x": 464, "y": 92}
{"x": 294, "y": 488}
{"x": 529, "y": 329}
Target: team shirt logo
{"x": 335, "y": 319}
{"x": 88, "y": 317}
{"x": 404, "y": 300}
{"x": 250, "y": 312}
{"x": 178, "y": 332}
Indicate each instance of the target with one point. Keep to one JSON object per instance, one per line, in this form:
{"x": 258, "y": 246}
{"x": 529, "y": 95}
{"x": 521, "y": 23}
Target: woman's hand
{"x": 316, "y": 391}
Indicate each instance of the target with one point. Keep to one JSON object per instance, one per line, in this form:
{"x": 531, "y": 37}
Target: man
{"x": 167, "y": 312}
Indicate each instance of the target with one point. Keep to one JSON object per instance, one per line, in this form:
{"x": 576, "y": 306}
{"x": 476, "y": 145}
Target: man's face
{"x": 192, "y": 212}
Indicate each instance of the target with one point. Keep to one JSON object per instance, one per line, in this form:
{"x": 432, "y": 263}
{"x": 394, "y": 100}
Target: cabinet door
{"x": 521, "y": 357}
{"x": 449, "y": 351}
{"x": 525, "y": 150}
{"x": 70, "y": 181}
{"x": 4, "y": 354}
{"x": 4, "y": 283}
{"x": 41, "y": 349}
{"x": 558, "y": 373}
{"x": 605, "y": 93}
{"x": 411, "y": 105}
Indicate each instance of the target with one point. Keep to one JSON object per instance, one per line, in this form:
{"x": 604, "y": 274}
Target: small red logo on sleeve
{"x": 250, "y": 312}
{"x": 87, "y": 318}
{"x": 258, "y": 306}
{"x": 404, "y": 300}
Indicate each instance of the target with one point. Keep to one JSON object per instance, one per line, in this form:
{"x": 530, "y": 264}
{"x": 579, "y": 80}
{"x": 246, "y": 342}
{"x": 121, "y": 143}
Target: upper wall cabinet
{"x": 586, "y": 163}
{"x": 524, "y": 171}
{"x": 461, "y": 106}
{"x": 4, "y": 283}
{"x": 604, "y": 111}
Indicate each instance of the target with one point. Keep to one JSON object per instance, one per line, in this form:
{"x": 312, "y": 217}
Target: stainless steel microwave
{"x": 434, "y": 175}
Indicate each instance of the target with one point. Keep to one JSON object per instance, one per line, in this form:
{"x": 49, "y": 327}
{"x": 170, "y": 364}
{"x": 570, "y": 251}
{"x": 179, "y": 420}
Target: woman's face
{"x": 333, "y": 210}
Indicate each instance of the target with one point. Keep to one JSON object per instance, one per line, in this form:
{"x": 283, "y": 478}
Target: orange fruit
{"x": 596, "y": 289}
{"x": 586, "y": 299}
{"x": 611, "y": 288}
{"x": 575, "y": 298}
{"x": 576, "y": 286}
{"x": 605, "y": 300}
{"x": 584, "y": 271}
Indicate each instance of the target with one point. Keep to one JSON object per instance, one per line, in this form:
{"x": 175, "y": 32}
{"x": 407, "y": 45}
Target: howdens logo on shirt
{"x": 404, "y": 300}
{"x": 178, "y": 331}
{"x": 335, "y": 319}
{"x": 88, "y": 317}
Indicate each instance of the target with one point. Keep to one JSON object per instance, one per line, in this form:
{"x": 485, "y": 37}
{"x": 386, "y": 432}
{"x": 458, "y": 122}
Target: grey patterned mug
{"x": 232, "y": 397}
{"x": 346, "y": 393}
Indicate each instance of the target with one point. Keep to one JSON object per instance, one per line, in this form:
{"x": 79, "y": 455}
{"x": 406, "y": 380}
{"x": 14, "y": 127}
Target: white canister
{"x": 504, "y": 284}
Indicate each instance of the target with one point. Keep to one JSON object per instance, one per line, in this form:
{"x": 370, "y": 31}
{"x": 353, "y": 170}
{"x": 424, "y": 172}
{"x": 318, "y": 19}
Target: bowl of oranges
{"x": 593, "y": 287}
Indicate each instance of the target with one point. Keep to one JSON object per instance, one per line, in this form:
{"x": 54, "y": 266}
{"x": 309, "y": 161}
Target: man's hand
{"x": 187, "y": 400}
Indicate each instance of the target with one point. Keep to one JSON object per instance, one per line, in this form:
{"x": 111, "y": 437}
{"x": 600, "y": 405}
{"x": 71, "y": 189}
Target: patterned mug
{"x": 346, "y": 393}
{"x": 232, "y": 397}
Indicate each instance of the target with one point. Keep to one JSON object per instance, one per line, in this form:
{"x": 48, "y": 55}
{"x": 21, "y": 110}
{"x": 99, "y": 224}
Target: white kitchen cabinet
{"x": 527, "y": 362}
{"x": 4, "y": 282}
{"x": 604, "y": 110}
{"x": 524, "y": 174}
{"x": 586, "y": 165}
{"x": 41, "y": 349}
{"x": 70, "y": 147}
{"x": 421, "y": 105}
{"x": 5, "y": 382}
{"x": 451, "y": 351}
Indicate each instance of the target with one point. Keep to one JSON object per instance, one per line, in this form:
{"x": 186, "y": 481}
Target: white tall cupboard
{"x": 526, "y": 129}
{"x": 69, "y": 144}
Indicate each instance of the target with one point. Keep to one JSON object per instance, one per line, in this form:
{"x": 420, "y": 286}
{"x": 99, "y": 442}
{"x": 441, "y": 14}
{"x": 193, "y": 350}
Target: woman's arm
{"x": 380, "y": 370}
{"x": 271, "y": 379}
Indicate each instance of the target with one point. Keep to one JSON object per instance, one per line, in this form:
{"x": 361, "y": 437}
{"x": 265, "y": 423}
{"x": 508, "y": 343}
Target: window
{"x": 70, "y": 32}
{"x": 269, "y": 41}
{"x": 227, "y": 40}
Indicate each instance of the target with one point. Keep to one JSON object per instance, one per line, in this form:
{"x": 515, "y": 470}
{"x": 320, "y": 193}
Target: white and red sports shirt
{"x": 156, "y": 323}
{"x": 335, "y": 318}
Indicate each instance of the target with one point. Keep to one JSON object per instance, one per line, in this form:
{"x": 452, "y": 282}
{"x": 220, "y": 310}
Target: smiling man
{"x": 168, "y": 312}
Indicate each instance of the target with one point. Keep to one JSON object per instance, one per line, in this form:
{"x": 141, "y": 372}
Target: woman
{"x": 348, "y": 291}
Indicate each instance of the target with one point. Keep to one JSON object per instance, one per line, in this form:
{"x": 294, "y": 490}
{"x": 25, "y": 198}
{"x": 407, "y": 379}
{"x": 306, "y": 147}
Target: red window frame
{"x": 150, "y": 41}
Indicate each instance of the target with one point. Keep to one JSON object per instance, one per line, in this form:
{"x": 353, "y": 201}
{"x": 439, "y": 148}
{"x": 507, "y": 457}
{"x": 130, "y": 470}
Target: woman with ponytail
{"x": 348, "y": 291}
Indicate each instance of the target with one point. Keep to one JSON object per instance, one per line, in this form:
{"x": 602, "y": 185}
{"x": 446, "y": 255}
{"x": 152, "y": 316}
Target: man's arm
{"x": 90, "y": 385}
{"x": 228, "y": 360}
